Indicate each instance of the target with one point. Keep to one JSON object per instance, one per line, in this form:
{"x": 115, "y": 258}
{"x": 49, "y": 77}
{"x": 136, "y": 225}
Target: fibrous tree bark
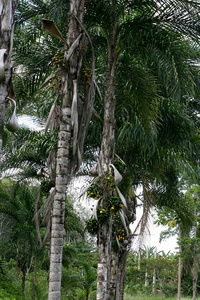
{"x": 7, "y": 10}
{"x": 118, "y": 263}
{"x": 154, "y": 271}
{"x": 118, "y": 266}
{"x": 105, "y": 159}
{"x": 63, "y": 164}
{"x": 195, "y": 252}
{"x": 179, "y": 264}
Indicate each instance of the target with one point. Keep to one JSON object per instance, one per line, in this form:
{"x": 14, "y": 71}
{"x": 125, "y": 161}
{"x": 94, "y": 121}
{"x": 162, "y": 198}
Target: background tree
{"x": 189, "y": 238}
{"x": 150, "y": 23}
{"x": 17, "y": 203}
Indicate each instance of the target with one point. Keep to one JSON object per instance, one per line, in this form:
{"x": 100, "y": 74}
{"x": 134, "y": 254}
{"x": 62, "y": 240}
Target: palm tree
{"x": 84, "y": 280}
{"x": 150, "y": 20}
{"x": 182, "y": 217}
{"x": 69, "y": 95}
{"x": 17, "y": 203}
{"x": 69, "y": 73}
{"x": 88, "y": 282}
{"x": 192, "y": 196}
{"x": 165, "y": 146}
{"x": 7, "y": 10}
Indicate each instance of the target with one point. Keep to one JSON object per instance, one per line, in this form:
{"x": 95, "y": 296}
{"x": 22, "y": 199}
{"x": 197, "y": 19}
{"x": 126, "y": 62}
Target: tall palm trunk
{"x": 179, "y": 264}
{"x": 106, "y": 157}
{"x": 34, "y": 279}
{"x": 24, "y": 269}
{"x": 7, "y": 10}
{"x": 63, "y": 168}
{"x": 146, "y": 274}
{"x": 154, "y": 271}
{"x": 195, "y": 252}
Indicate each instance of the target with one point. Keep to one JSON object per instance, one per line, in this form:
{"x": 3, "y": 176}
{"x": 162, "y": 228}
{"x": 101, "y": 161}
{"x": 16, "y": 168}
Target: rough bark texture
{"x": 121, "y": 274}
{"x": 106, "y": 157}
{"x": 118, "y": 267}
{"x": 7, "y": 10}
{"x": 179, "y": 265}
{"x": 122, "y": 269}
{"x": 146, "y": 274}
{"x": 104, "y": 267}
{"x": 195, "y": 253}
{"x": 118, "y": 264}
{"x": 34, "y": 279}
{"x": 154, "y": 272}
{"x": 63, "y": 167}
{"x": 113, "y": 279}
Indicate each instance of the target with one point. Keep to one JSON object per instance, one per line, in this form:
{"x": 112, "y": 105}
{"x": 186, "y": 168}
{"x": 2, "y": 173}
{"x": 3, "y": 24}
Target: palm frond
{"x": 28, "y": 151}
{"x": 137, "y": 88}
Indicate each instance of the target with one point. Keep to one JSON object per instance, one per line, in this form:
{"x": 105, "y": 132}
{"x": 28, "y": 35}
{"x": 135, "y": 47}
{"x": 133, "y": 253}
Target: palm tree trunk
{"x": 146, "y": 274}
{"x": 34, "y": 279}
{"x": 63, "y": 168}
{"x": 104, "y": 263}
{"x": 118, "y": 265}
{"x": 113, "y": 280}
{"x": 23, "y": 279}
{"x": 195, "y": 252}
{"x": 106, "y": 157}
{"x": 122, "y": 270}
{"x": 154, "y": 271}
{"x": 7, "y": 9}
{"x": 139, "y": 259}
{"x": 179, "y": 266}
{"x": 118, "y": 268}
{"x": 87, "y": 295}
{"x": 121, "y": 273}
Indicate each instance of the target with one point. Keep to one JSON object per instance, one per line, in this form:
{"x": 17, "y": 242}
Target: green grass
{"x": 153, "y": 297}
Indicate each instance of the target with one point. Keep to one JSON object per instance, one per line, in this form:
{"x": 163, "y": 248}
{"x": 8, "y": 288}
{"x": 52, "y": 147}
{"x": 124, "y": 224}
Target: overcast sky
{"x": 152, "y": 239}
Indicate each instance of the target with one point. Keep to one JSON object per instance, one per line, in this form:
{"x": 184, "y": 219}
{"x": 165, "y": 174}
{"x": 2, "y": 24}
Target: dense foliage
{"x": 147, "y": 69}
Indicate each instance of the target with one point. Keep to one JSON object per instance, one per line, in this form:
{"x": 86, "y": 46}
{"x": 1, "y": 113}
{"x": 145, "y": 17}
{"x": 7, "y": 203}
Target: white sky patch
{"x": 152, "y": 239}
{"x": 30, "y": 122}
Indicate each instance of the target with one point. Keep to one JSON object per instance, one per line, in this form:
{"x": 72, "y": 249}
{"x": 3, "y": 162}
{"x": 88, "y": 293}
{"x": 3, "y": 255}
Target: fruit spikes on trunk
{"x": 105, "y": 159}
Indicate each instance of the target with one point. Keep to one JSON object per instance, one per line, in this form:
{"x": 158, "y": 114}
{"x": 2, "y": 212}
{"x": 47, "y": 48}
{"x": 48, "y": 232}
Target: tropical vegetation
{"x": 116, "y": 86}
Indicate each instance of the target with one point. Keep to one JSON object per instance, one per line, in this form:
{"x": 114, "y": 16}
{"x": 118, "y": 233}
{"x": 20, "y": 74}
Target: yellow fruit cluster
{"x": 55, "y": 82}
{"x": 94, "y": 191}
{"x": 58, "y": 60}
{"x": 86, "y": 76}
{"x": 121, "y": 234}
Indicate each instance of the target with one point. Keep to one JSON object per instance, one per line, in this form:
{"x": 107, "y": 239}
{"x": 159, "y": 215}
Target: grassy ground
{"x": 153, "y": 297}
